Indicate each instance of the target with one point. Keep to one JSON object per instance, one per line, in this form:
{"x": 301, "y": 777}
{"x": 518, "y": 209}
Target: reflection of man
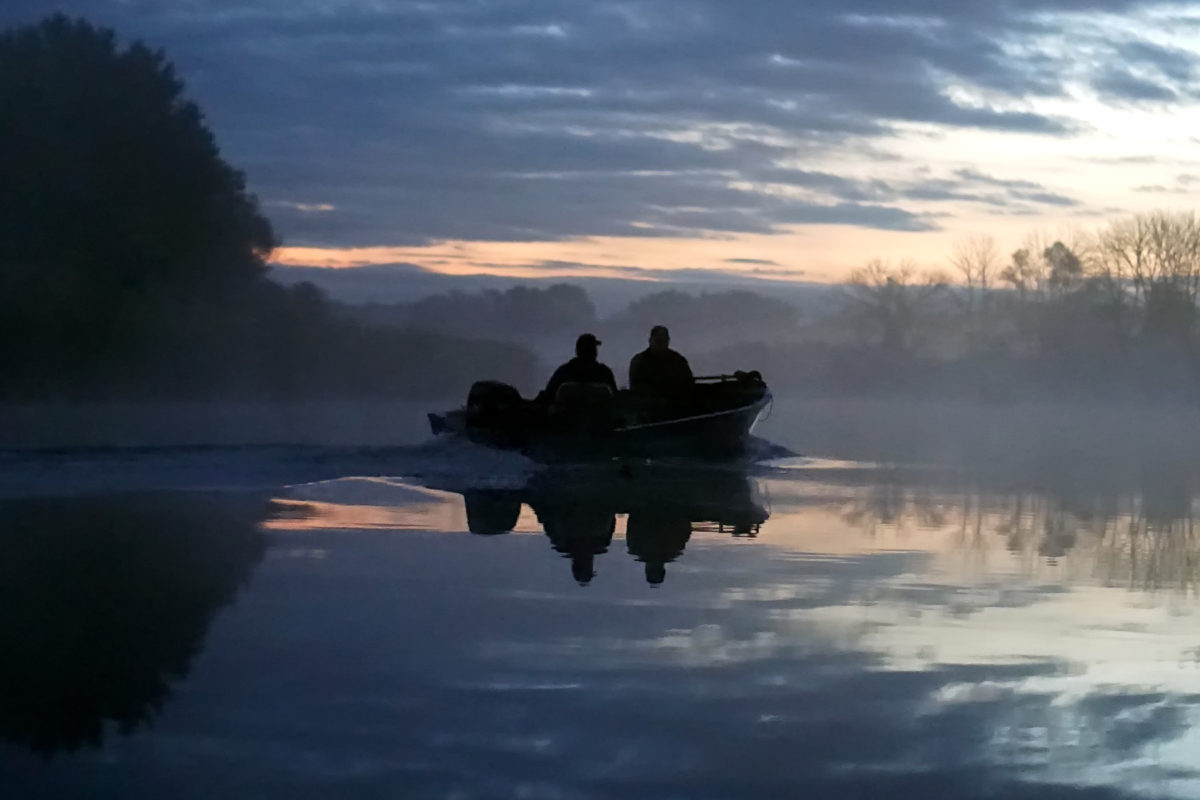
{"x": 659, "y": 371}
{"x": 579, "y": 532}
{"x": 656, "y": 540}
{"x": 583, "y": 368}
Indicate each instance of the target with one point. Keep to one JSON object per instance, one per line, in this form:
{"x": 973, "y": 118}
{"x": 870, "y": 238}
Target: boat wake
{"x": 442, "y": 461}
{"x": 71, "y": 471}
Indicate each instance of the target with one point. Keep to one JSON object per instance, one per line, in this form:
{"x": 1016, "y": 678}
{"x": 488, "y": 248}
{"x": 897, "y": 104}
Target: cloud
{"x": 308, "y": 208}
{"x": 1120, "y": 160}
{"x": 958, "y": 186}
{"x": 698, "y": 275}
{"x": 1172, "y": 63}
{"x": 1121, "y": 85}
{"x": 1183, "y": 185}
{"x": 533, "y": 120}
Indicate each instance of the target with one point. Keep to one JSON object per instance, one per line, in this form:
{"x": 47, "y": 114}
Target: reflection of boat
{"x": 715, "y": 418}
{"x": 577, "y": 509}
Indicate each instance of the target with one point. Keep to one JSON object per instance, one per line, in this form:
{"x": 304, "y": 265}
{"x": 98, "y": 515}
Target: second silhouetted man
{"x": 659, "y": 371}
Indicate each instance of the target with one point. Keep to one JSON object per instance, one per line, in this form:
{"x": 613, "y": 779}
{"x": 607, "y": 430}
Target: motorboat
{"x": 713, "y": 417}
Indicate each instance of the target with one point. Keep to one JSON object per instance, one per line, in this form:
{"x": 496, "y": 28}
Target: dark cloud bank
{"x": 404, "y": 123}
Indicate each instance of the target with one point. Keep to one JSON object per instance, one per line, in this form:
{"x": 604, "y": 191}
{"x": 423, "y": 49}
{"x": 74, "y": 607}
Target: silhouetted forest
{"x": 1109, "y": 313}
{"x": 132, "y": 256}
{"x": 133, "y": 265}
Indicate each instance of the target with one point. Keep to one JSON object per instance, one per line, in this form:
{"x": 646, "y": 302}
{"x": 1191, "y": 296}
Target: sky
{"x": 765, "y": 138}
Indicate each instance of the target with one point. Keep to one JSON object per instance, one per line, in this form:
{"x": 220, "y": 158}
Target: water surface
{"x": 380, "y": 624}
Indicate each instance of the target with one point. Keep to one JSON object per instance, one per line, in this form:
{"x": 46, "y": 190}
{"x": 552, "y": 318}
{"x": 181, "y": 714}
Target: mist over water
{"x": 930, "y": 596}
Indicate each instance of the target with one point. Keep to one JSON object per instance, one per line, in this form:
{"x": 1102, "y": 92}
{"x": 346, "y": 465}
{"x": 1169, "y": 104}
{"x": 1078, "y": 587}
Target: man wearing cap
{"x": 659, "y": 371}
{"x": 583, "y": 368}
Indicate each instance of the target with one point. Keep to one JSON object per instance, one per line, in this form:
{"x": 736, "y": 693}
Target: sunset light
{"x": 607, "y": 400}
{"x": 656, "y": 137}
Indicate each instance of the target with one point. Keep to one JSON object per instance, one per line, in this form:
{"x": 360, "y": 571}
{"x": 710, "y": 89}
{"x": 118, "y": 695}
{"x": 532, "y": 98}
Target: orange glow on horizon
{"x": 793, "y": 256}
{"x": 817, "y": 253}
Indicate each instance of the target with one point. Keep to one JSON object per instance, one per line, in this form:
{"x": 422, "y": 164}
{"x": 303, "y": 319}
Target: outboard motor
{"x": 492, "y": 403}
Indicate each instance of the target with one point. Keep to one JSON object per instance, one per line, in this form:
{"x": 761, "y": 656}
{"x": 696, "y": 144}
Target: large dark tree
{"x": 117, "y": 213}
{"x": 109, "y": 174}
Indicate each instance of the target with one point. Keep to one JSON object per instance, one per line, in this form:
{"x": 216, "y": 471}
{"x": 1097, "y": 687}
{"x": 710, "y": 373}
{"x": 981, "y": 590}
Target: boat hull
{"x": 715, "y": 434}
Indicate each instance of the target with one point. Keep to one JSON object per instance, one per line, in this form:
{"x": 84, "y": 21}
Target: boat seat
{"x": 580, "y": 393}
{"x": 584, "y": 402}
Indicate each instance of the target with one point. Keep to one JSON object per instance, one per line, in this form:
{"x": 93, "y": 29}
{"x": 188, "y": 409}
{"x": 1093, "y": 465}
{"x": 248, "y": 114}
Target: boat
{"x": 714, "y": 418}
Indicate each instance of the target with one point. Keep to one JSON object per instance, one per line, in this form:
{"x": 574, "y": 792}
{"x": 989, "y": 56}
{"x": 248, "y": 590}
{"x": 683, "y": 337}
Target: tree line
{"x": 1107, "y": 312}
{"x": 133, "y": 264}
{"x": 133, "y": 257}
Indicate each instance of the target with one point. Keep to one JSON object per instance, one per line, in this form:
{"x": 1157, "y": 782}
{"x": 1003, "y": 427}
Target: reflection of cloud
{"x": 813, "y": 661}
{"x": 817, "y": 657}
{"x": 372, "y": 504}
{"x": 1120, "y": 686}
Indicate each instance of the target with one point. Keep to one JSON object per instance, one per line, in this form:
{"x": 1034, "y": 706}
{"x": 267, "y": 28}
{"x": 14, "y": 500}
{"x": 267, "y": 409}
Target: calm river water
{"x": 222, "y": 623}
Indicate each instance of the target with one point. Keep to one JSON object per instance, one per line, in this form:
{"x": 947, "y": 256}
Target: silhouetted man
{"x": 659, "y": 371}
{"x": 583, "y": 368}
